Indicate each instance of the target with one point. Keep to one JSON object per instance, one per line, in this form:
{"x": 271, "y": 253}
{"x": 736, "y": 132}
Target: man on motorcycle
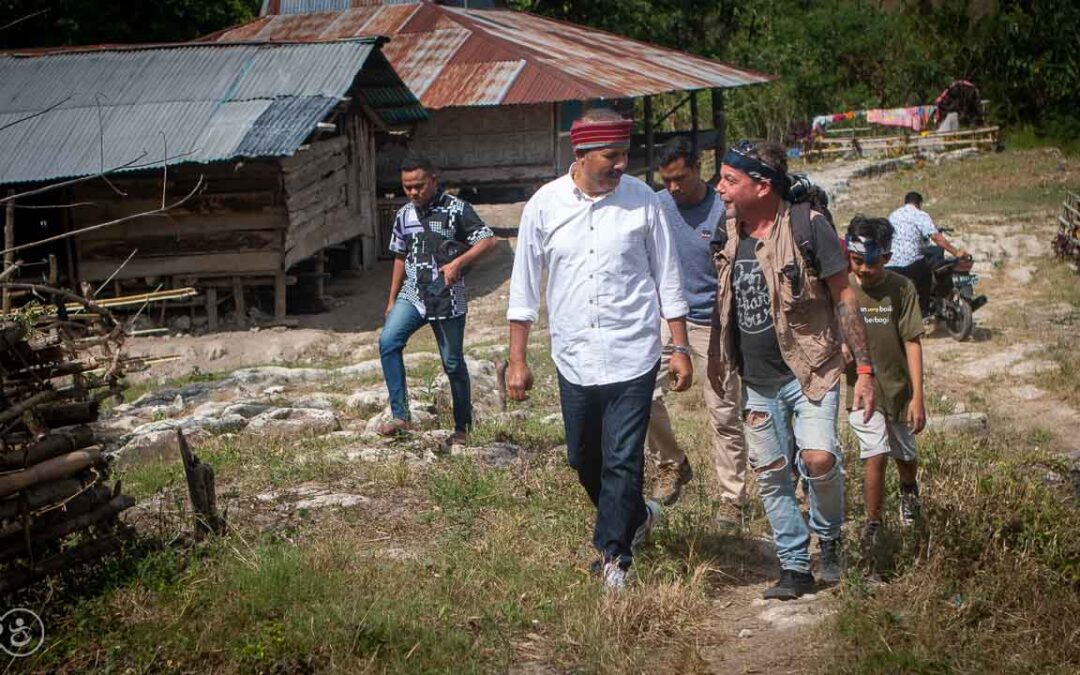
{"x": 911, "y": 226}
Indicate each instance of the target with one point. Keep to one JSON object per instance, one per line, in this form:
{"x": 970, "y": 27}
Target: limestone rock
{"x": 156, "y": 446}
{"x": 293, "y": 422}
{"x": 367, "y": 400}
{"x": 968, "y": 421}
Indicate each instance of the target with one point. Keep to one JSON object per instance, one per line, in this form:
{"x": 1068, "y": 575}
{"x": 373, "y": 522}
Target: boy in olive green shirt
{"x": 894, "y": 327}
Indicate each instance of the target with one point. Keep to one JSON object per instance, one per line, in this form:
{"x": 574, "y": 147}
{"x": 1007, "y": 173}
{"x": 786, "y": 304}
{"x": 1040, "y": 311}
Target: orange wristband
{"x": 864, "y": 370}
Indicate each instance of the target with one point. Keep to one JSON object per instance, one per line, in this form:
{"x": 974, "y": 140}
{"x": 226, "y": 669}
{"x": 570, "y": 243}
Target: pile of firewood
{"x": 61, "y": 356}
{"x": 1067, "y": 241}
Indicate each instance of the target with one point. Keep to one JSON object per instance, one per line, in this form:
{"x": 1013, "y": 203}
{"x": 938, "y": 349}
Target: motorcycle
{"x": 952, "y": 292}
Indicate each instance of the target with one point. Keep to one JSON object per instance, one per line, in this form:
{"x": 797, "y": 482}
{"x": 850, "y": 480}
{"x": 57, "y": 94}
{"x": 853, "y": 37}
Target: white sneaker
{"x": 652, "y": 517}
{"x": 614, "y": 578}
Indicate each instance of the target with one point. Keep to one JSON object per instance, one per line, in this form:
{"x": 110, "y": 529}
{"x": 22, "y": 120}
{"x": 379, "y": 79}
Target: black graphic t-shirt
{"x": 762, "y": 363}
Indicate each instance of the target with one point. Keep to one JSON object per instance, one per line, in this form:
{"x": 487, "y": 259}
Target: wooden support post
{"x": 239, "y": 310}
{"x": 370, "y": 252}
{"x": 280, "y": 307}
{"x": 54, "y": 271}
{"x": 649, "y": 149}
{"x": 320, "y": 275}
{"x": 356, "y": 254}
{"x": 693, "y": 122}
{"x": 211, "y": 309}
{"x": 9, "y": 242}
{"x": 200, "y": 480}
{"x": 719, "y": 119}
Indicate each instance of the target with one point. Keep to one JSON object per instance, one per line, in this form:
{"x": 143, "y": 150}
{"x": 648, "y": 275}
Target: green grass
{"x": 988, "y": 583}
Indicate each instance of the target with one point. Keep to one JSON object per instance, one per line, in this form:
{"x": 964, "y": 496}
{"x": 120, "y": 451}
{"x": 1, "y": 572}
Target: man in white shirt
{"x": 911, "y": 225}
{"x": 612, "y": 274}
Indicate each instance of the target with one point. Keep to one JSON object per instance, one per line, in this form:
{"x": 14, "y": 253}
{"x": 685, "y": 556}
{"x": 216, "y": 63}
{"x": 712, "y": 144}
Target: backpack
{"x": 805, "y": 198}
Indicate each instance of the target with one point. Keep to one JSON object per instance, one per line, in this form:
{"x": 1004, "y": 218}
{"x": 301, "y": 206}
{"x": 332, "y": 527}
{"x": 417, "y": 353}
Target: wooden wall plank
{"x": 254, "y": 262}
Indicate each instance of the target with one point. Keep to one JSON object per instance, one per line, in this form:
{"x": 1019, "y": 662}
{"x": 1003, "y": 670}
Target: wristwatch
{"x": 679, "y": 349}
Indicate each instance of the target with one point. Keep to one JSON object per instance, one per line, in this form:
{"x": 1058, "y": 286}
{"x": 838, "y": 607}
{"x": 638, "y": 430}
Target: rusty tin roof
{"x": 451, "y": 56}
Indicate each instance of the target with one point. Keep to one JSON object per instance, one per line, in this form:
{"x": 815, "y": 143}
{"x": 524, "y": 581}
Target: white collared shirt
{"x": 612, "y": 273}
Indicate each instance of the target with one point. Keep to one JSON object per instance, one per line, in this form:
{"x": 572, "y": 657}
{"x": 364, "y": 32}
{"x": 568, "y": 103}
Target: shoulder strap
{"x": 799, "y": 215}
{"x": 802, "y": 231}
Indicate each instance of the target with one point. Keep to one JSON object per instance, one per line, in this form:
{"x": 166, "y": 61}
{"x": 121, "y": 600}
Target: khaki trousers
{"x": 729, "y": 447}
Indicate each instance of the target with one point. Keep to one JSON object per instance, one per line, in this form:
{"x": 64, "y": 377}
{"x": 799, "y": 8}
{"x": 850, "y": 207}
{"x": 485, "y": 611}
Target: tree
{"x": 47, "y": 23}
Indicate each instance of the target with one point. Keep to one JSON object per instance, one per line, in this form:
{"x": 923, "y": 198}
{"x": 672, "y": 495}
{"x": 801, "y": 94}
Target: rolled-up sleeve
{"x": 528, "y": 269}
{"x": 665, "y": 266}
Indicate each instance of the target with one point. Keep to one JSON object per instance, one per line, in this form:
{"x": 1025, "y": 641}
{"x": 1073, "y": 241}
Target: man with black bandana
{"x": 783, "y": 303}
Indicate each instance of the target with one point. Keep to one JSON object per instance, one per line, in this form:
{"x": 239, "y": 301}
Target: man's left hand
{"x": 864, "y": 396}
{"x": 681, "y": 372}
{"x": 451, "y": 272}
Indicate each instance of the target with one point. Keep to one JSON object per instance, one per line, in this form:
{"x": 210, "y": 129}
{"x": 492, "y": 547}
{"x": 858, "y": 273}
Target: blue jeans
{"x": 402, "y": 321}
{"x": 795, "y": 424}
{"x": 605, "y": 444}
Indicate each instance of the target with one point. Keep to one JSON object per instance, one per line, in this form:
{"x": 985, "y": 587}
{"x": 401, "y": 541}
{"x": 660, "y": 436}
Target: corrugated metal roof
{"x": 205, "y": 102}
{"x": 431, "y": 43}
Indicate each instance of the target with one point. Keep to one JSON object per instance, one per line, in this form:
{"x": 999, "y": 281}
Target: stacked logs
{"x": 1067, "y": 241}
{"x": 57, "y": 365}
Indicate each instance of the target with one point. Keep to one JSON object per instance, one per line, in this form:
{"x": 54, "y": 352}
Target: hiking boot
{"x": 831, "y": 565}
{"x": 395, "y": 427}
{"x": 456, "y": 438}
{"x": 729, "y": 516}
{"x": 670, "y": 481}
{"x": 614, "y": 578}
{"x": 652, "y": 517}
{"x": 909, "y": 504}
{"x": 870, "y": 536}
{"x": 792, "y": 585}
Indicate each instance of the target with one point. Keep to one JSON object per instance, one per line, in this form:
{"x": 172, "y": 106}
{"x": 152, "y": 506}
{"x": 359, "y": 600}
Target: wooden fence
{"x": 1067, "y": 241}
{"x": 985, "y": 138}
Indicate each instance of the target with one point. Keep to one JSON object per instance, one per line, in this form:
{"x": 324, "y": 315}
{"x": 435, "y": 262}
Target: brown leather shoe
{"x": 394, "y": 427}
{"x": 456, "y": 438}
{"x": 670, "y": 480}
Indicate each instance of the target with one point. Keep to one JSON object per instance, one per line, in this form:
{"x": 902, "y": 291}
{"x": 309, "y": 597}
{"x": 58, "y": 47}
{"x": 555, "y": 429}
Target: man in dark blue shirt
{"x": 693, "y": 212}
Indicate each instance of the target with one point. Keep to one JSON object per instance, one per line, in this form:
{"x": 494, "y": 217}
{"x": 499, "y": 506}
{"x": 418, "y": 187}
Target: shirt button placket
{"x": 594, "y": 304}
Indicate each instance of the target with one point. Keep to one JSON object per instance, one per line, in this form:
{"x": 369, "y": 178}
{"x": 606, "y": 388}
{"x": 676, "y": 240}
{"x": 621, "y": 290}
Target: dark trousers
{"x": 920, "y": 275}
{"x": 605, "y": 444}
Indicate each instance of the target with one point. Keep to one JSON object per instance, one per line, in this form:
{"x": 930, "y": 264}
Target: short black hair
{"x": 878, "y": 230}
{"x": 676, "y": 148}
{"x": 913, "y": 198}
{"x": 414, "y": 160}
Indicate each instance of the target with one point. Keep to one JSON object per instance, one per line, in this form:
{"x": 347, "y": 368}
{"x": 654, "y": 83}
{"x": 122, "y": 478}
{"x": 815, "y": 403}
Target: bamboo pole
{"x": 9, "y": 244}
{"x": 50, "y": 470}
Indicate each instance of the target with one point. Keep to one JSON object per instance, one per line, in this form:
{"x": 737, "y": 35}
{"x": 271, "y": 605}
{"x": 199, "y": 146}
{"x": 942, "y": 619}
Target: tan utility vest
{"x": 803, "y": 312}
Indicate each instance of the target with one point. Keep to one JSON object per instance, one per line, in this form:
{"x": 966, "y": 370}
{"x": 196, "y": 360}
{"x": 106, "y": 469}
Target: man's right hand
{"x": 388, "y": 308}
{"x": 519, "y": 380}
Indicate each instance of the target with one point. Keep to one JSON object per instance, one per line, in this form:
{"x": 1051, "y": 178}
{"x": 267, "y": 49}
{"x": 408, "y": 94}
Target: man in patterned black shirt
{"x": 436, "y": 238}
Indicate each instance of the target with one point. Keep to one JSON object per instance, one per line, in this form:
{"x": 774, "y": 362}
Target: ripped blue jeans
{"x": 791, "y": 424}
